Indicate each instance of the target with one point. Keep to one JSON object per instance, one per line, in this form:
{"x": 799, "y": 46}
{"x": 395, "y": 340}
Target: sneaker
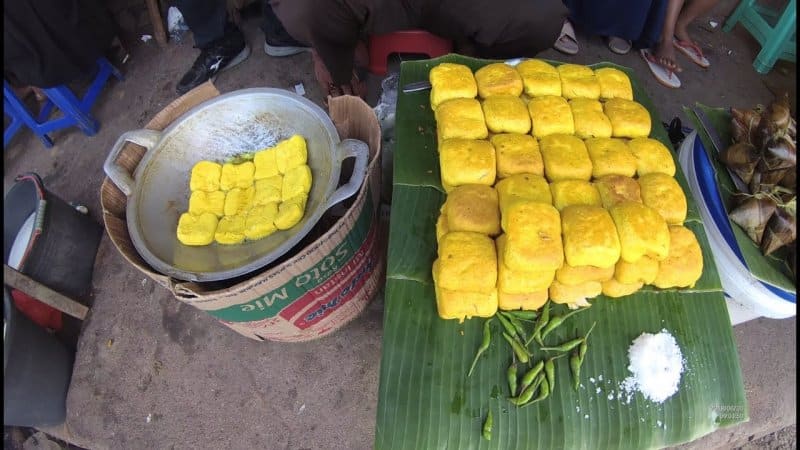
{"x": 284, "y": 50}
{"x": 221, "y": 55}
{"x": 277, "y": 41}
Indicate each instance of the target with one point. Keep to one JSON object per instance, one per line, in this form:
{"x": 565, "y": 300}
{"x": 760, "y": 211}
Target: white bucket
{"x": 746, "y": 296}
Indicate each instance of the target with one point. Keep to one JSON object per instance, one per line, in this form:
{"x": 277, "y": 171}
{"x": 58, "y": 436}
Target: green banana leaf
{"x": 772, "y": 269}
{"x": 426, "y": 400}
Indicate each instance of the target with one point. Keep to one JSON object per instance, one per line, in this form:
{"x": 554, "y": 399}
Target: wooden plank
{"x": 158, "y": 23}
{"x": 43, "y": 293}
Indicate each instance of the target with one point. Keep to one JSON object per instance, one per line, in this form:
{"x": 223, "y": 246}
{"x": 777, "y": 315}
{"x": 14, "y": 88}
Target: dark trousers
{"x": 208, "y": 20}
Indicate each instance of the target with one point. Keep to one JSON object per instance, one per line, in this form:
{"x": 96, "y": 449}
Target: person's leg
{"x": 205, "y": 18}
{"x": 692, "y": 11}
{"x": 664, "y": 51}
{"x": 277, "y": 41}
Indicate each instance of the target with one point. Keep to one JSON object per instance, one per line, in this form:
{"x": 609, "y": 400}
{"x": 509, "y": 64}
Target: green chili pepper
{"x": 550, "y": 372}
{"x": 487, "y": 338}
{"x": 507, "y": 325}
{"x": 518, "y": 327}
{"x": 543, "y": 319}
{"x": 565, "y": 347}
{"x": 511, "y": 375}
{"x": 487, "y": 427}
{"x": 556, "y": 321}
{"x": 544, "y": 392}
{"x": 525, "y": 315}
{"x": 575, "y": 362}
{"x": 526, "y": 395}
{"x": 531, "y": 374}
{"x": 519, "y": 349}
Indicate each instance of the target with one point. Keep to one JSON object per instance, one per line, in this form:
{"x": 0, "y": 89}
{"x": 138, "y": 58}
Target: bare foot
{"x": 665, "y": 56}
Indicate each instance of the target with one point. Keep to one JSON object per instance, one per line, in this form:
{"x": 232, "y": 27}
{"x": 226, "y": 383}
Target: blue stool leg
{"x": 20, "y": 116}
{"x": 744, "y": 6}
{"x": 773, "y": 48}
{"x": 114, "y": 71}
{"x": 66, "y": 101}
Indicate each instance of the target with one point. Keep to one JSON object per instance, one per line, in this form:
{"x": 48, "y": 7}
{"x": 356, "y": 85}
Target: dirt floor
{"x": 152, "y": 372}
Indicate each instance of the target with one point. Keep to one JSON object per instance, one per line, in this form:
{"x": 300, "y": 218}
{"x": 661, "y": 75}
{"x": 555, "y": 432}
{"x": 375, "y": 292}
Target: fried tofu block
{"x": 614, "y": 289}
{"x": 441, "y": 227}
{"x": 230, "y": 230}
{"x": 572, "y": 275}
{"x": 614, "y": 189}
{"x": 578, "y": 81}
{"x": 663, "y": 193}
{"x": 683, "y": 265}
{"x": 473, "y": 207}
{"x": 574, "y": 192}
{"x": 498, "y": 79}
{"x": 628, "y": 118}
{"x": 205, "y": 176}
{"x": 517, "y": 153}
{"x": 590, "y": 237}
{"x": 259, "y": 222}
{"x": 238, "y": 201}
{"x": 207, "y": 202}
{"x": 614, "y": 83}
{"x": 520, "y": 281}
{"x": 589, "y": 120}
{"x": 266, "y": 164}
{"x": 460, "y": 118}
{"x": 236, "y": 176}
{"x": 290, "y": 153}
{"x": 533, "y": 237}
{"x": 642, "y": 231}
{"x": 643, "y": 270}
{"x": 565, "y": 158}
{"x": 268, "y": 190}
{"x": 529, "y": 302}
{"x": 506, "y": 114}
{"x": 467, "y": 161}
{"x": 610, "y": 157}
{"x": 449, "y": 81}
{"x": 290, "y": 212}
{"x": 468, "y": 262}
{"x": 196, "y": 230}
{"x": 539, "y": 78}
{"x": 550, "y": 115}
{"x": 452, "y": 304}
{"x": 522, "y": 187}
{"x": 296, "y": 181}
{"x": 565, "y": 294}
{"x": 651, "y": 156}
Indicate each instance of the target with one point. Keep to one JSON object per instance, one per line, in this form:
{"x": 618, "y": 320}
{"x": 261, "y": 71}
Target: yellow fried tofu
{"x": 522, "y": 187}
{"x": 205, "y": 176}
{"x": 578, "y": 81}
{"x": 296, "y": 181}
{"x": 517, "y": 153}
{"x": 684, "y": 263}
{"x": 290, "y": 153}
{"x": 614, "y": 83}
{"x": 498, "y": 79}
{"x": 663, "y": 193}
{"x": 572, "y": 275}
{"x": 539, "y": 78}
{"x": 610, "y": 157}
{"x": 196, "y": 230}
{"x": 441, "y": 227}
{"x": 643, "y": 270}
{"x": 529, "y": 302}
{"x": 266, "y": 164}
{"x": 520, "y": 281}
{"x": 207, "y": 202}
{"x": 473, "y": 207}
{"x": 467, "y": 161}
{"x": 588, "y": 118}
{"x": 533, "y": 237}
{"x": 642, "y": 231}
{"x": 577, "y": 293}
{"x": 565, "y": 158}
{"x": 230, "y": 230}
{"x": 614, "y": 189}
{"x": 651, "y": 156}
{"x": 259, "y": 222}
{"x": 238, "y": 201}
{"x": 589, "y": 236}
{"x": 550, "y": 115}
{"x": 628, "y": 118}
{"x": 450, "y": 81}
{"x": 452, "y": 304}
{"x": 268, "y": 190}
{"x": 468, "y": 262}
{"x": 614, "y": 289}
{"x": 574, "y": 192}
{"x": 290, "y": 212}
{"x": 236, "y": 176}
{"x": 460, "y": 118}
{"x": 506, "y": 114}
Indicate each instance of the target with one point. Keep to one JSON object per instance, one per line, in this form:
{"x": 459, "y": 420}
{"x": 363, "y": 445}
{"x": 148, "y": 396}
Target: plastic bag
{"x": 176, "y": 26}
{"x": 385, "y": 110}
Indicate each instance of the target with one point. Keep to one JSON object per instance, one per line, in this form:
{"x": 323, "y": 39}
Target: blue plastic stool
{"x": 774, "y": 30}
{"x": 75, "y": 111}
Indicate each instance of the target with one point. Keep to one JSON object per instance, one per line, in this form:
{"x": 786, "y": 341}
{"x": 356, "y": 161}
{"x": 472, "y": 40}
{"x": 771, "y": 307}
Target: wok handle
{"x": 118, "y": 174}
{"x": 351, "y": 148}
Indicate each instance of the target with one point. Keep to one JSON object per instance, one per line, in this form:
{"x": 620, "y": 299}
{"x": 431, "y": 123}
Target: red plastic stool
{"x": 410, "y": 41}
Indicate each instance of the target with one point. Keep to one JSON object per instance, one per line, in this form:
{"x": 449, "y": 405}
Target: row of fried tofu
{"x": 231, "y": 203}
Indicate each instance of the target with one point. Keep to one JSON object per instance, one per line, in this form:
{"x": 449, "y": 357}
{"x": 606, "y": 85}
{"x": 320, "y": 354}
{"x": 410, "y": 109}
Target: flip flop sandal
{"x": 618, "y": 45}
{"x": 567, "y": 43}
{"x": 664, "y": 76}
{"x": 692, "y": 51}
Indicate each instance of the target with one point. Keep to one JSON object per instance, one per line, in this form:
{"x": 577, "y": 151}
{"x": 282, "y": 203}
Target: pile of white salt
{"x": 656, "y": 365}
